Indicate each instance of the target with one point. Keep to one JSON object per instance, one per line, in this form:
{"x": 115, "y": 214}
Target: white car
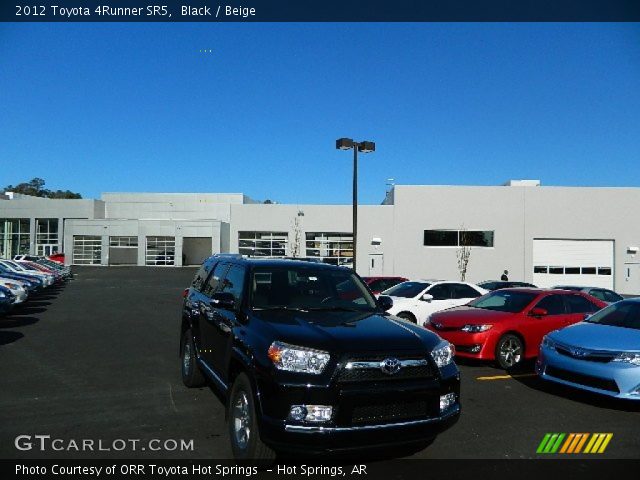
{"x": 417, "y": 300}
{"x": 16, "y": 287}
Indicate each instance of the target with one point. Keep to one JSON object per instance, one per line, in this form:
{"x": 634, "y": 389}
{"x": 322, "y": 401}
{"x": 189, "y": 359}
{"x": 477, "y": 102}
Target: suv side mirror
{"x": 385, "y": 302}
{"x": 538, "y": 312}
{"x": 224, "y": 300}
{"x": 427, "y": 297}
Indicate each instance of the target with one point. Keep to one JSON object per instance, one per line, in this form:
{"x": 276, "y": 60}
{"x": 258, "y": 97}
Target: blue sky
{"x": 138, "y": 107}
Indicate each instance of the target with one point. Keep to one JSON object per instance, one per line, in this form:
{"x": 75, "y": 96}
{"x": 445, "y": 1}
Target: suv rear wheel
{"x": 191, "y": 374}
{"x": 243, "y": 424}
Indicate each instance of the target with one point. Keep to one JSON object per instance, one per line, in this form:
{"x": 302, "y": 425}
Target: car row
{"x": 584, "y": 337}
{"x": 24, "y": 276}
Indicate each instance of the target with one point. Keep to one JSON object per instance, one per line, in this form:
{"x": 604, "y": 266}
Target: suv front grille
{"x": 374, "y": 373}
{"x": 390, "y": 412}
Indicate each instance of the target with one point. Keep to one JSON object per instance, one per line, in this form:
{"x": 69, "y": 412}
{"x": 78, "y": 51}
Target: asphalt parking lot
{"x": 97, "y": 359}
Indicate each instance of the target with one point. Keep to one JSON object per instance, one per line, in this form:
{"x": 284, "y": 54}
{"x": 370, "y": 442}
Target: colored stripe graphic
{"x": 574, "y": 442}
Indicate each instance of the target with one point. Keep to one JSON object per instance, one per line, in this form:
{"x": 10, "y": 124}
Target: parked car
{"x": 37, "y": 267}
{"x": 415, "y": 301}
{"x": 57, "y": 257}
{"x": 16, "y": 288}
{"x": 379, "y": 284}
{"x": 16, "y": 267}
{"x": 6, "y": 300}
{"x": 600, "y": 354}
{"x": 603, "y": 294}
{"x": 507, "y": 326}
{"x": 305, "y": 369}
{"x": 499, "y": 284}
{"x": 36, "y": 282}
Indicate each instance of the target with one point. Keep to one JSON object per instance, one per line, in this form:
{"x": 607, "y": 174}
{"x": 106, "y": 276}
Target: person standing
{"x": 504, "y": 276}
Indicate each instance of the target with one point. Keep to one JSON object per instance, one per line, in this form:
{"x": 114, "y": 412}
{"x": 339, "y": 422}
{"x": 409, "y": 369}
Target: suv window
{"x": 234, "y": 282}
{"x": 553, "y": 304}
{"x": 444, "y": 291}
{"x": 579, "y": 304}
{"x": 213, "y": 282}
{"x": 308, "y": 288}
{"x": 201, "y": 276}
{"x": 461, "y": 290}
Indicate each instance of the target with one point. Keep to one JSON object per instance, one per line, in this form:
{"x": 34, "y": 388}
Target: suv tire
{"x": 243, "y": 424}
{"x": 191, "y": 374}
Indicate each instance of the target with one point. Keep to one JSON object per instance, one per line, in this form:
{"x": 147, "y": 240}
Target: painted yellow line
{"x": 506, "y": 377}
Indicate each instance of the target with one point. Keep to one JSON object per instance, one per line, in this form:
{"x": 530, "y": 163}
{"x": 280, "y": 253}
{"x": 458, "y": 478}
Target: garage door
{"x": 573, "y": 262}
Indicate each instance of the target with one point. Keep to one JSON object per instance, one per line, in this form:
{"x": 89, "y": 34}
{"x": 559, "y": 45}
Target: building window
{"x": 46, "y": 236}
{"x": 14, "y": 237}
{"x": 87, "y": 250}
{"x": 553, "y": 270}
{"x": 332, "y": 247}
{"x": 160, "y": 251}
{"x": 263, "y": 244}
{"x": 123, "y": 242}
{"x": 457, "y": 238}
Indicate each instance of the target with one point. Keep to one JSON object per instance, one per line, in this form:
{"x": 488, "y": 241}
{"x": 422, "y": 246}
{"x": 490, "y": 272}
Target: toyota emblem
{"x": 579, "y": 352}
{"x": 390, "y": 366}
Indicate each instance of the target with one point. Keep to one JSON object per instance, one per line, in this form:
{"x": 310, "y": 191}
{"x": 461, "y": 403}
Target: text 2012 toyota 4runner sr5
{"x": 310, "y": 361}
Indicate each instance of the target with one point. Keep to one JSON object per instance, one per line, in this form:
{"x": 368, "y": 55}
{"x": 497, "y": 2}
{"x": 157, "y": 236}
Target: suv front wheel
{"x": 243, "y": 424}
{"x": 191, "y": 374}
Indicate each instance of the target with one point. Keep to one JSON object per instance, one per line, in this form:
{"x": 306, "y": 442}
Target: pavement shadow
{"x": 27, "y": 310}
{"x": 13, "y": 322}
{"x": 9, "y": 337}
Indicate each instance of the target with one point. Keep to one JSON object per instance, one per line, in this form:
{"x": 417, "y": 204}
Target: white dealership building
{"x": 543, "y": 235}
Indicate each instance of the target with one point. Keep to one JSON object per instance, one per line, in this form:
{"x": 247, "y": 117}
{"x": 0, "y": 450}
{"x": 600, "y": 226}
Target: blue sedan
{"x": 600, "y": 354}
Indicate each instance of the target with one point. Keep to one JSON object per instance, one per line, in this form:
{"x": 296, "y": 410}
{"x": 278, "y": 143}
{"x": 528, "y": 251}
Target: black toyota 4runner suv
{"x": 308, "y": 360}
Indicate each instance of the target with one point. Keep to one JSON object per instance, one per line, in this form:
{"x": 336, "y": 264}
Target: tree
{"x": 296, "y": 246}
{"x": 464, "y": 253}
{"x": 35, "y": 188}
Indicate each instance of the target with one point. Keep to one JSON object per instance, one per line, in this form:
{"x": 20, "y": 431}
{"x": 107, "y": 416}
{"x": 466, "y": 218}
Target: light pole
{"x": 364, "y": 147}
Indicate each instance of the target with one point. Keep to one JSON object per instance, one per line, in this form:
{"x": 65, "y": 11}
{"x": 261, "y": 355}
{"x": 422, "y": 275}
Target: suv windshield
{"x": 308, "y": 288}
{"x": 622, "y": 314}
{"x": 406, "y": 289}
{"x": 504, "y": 301}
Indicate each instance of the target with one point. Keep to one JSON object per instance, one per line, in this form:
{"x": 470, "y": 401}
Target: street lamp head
{"x": 344, "y": 144}
{"x": 366, "y": 147}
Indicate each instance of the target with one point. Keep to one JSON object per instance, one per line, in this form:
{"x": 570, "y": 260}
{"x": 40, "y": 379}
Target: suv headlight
{"x": 476, "y": 328}
{"x": 632, "y": 358}
{"x": 297, "y": 359}
{"x": 443, "y": 355}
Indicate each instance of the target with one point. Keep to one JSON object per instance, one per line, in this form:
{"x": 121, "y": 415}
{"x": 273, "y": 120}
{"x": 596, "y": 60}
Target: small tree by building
{"x": 296, "y": 245}
{"x": 463, "y": 254}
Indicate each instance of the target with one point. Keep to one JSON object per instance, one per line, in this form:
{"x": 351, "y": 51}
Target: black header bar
{"x": 320, "y": 11}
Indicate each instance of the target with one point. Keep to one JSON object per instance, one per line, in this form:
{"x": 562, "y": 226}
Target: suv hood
{"x": 599, "y": 337}
{"x": 348, "y": 332}
{"x": 464, "y": 315}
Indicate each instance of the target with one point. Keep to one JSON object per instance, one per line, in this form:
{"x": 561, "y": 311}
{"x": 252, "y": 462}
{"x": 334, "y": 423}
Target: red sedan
{"x": 380, "y": 284}
{"x": 507, "y": 326}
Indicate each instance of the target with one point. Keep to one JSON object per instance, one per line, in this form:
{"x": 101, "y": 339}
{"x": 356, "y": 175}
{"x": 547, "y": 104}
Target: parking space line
{"x": 507, "y": 377}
